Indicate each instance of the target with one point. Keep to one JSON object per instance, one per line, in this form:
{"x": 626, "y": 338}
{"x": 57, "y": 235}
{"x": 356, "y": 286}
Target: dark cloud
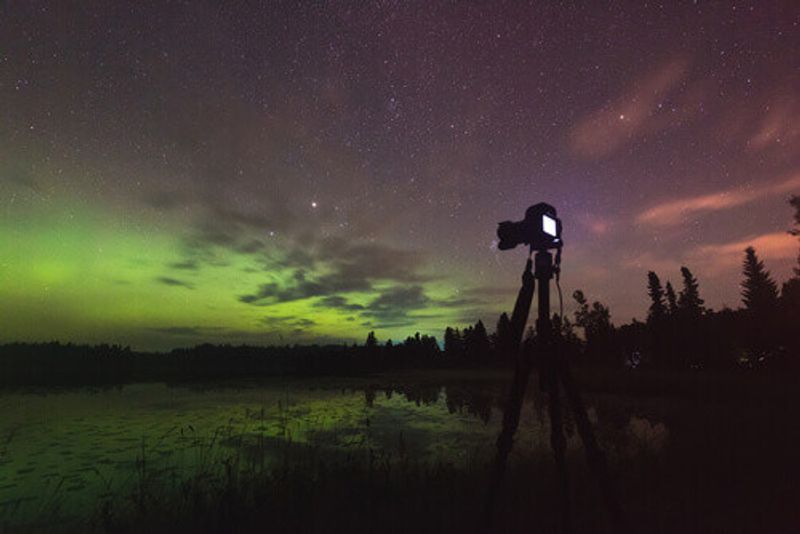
{"x": 393, "y": 306}
{"x": 400, "y": 298}
{"x": 186, "y": 265}
{"x": 458, "y": 302}
{"x": 389, "y": 324}
{"x": 372, "y": 260}
{"x": 490, "y": 293}
{"x": 300, "y": 288}
{"x": 174, "y": 282}
{"x": 338, "y": 302}
{"x": 282, "y": 320}
{"x": 164, "y": 200}
{"x": 348, "y": 268}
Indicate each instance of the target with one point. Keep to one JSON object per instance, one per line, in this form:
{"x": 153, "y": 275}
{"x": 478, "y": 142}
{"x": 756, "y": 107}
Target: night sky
{"x": 180, "y": 172}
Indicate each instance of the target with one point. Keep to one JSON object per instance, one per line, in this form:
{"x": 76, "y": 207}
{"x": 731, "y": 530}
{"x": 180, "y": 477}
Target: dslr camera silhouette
{"x": 541, "y": 229}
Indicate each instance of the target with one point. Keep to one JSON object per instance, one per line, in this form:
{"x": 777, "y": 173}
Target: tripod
{"x": 554, "y": 370}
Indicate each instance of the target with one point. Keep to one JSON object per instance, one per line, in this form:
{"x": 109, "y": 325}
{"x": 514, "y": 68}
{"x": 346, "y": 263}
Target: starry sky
{"x": 272, "y": 172}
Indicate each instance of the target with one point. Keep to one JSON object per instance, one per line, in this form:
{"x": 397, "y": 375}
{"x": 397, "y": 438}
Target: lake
{"x": 60, "y": 451}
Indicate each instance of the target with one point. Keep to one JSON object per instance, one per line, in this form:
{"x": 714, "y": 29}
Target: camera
{"x": 541, "y": 229}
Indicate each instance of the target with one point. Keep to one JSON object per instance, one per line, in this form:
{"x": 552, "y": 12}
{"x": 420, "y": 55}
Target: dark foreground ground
{"x": 729, "y": 464}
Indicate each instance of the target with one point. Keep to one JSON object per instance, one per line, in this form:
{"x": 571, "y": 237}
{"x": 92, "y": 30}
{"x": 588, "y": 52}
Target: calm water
{"x": 60, "y": 451}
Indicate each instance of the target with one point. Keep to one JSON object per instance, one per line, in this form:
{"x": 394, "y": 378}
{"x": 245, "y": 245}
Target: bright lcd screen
{"x": 549, "y": 225}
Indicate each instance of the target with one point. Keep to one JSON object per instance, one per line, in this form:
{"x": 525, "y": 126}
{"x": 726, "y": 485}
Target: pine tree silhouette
{"x": 760, "y": 297}
{"x": 689, "y": 302}
{"x": 453, "y": 344}
{"x": 759, "y": 290}
{"x": 656, "y": 293}
{"x": 690, "y": 342}
{"x": 656, "y": 317}
{"x": 795, "y": 203}
{"x": 503, "y": 339}
{"x": 672, "y": 300}
{"x": 372, "y": 341}
{"x": 479, "y": 347}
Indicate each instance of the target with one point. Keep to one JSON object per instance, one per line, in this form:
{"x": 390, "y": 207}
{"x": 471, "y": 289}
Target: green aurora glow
{"x": 73, "y": 272}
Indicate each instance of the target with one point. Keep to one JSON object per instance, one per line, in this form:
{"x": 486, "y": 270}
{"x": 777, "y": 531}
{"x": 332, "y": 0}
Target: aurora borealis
{"x": 179, "y": 172}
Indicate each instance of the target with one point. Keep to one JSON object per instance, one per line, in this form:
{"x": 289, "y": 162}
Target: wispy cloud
{"x": 715, "y": 258}
{"x": 634, "y": 112}
{"x": 721, "y": 256}
{"x": 779, "y": 125}
{"x": 595, "y": 224}
{"x": 166, "y": 280}
{"x": 675, "y": 211}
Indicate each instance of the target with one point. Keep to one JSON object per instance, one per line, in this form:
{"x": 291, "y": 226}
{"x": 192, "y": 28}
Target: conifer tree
{"x": 795, "y": 202}
{"x": 656, "y": 293}
{"x": 449, "y": 339}
{"x": 371, "y": 342}
{"x": 672, "y": 300}
{"x": 480, "y": 342}
{"x": 452, "y": 342}
{"x": 502, "y": 338}
{"x": 689, "y": 302}
{"x": 690, "y": 343}
{"x": 759, "y": 291}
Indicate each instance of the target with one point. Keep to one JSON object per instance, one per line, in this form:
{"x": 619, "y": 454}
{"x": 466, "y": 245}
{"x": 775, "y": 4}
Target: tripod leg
{"x": 522, "y": 370}
{"x": 513, "y": 407}
{"x": 511, "y": 413}
{"x": 594, "y": 454}
{"x": 557, "y": 440}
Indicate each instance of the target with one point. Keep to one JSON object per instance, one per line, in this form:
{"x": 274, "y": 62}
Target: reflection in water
{"x": 66, "y": 449}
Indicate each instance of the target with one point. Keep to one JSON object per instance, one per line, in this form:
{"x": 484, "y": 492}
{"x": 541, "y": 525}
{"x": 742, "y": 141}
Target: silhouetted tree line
{"x": 679, "y": 333}
{"x": 53, "y": 364}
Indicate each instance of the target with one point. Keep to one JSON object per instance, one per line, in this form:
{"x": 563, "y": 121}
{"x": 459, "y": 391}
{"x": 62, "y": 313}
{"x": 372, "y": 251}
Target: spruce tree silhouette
{"x": 760, "y": 298}
{"x": 672, "y": 300}
{"x": 450, "y": 342}
{"x": 790, "y": 295}
{"x": 371, "y": 342}
{"x": 759, "y": 290}
{"x": 690, "y": 312}
{"x": 795, "y": 203}
{"x": 479, "y": 344}
{"x": 656, "y": 293}
{"x": 689, "y": 302}
{"x": 503, "y": 339}
{"x": 656, "y": 316}
{"x": 790, "y": 317}
{"x": 671, "y": 326}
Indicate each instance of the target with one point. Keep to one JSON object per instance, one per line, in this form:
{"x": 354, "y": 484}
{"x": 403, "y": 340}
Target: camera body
{"x": 541, "y": 229}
